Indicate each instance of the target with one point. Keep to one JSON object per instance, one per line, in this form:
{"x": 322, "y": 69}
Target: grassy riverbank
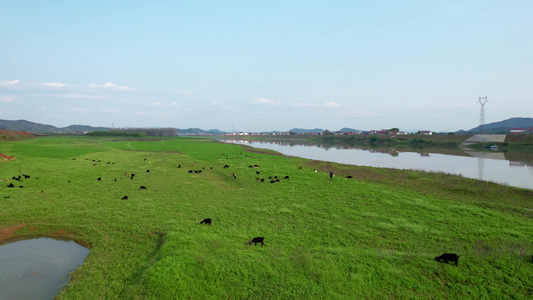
{"x": 371, "y": 236}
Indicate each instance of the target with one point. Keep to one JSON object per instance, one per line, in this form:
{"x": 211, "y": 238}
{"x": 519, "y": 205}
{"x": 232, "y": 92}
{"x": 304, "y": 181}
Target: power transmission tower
{"x": 482, "y": 101}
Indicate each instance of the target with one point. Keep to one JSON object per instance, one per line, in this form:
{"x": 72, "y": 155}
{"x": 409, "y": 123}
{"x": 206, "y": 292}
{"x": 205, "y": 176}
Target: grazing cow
{"x": 446, "y": 257}
{"x": 286, "y": 177}
{"x": 147, "y": 171}
{"x": 262, "y": 180}
{"x": 349, "y": 176}
{"x": 206, "y": 221}
{"x": 143, "y": 187}
{"x": 226, "y": 166}
{"x": 124, "y": 198}
{"x": 26, "y": 176}
{"x": 258, "y": 240}
{"x": 257, "y": 172}
{"x": 190, "y": 171}
{"x": 11, "y": 185}
{"x": 16, "y": 178}
{"x": 99, "y": 178}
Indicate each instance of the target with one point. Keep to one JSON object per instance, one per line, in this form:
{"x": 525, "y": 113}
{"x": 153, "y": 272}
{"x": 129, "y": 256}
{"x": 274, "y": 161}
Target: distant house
{"x": 426, "y": 132}
{"x": 518, "y": 130}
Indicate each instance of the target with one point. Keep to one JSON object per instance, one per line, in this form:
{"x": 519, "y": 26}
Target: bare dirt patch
{"x": 8, "y": 232}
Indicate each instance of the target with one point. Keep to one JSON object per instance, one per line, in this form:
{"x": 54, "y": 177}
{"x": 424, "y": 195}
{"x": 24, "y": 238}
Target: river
{"x": 488, "y": 166}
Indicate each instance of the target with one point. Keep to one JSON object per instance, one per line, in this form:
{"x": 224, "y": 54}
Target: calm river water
{"x": 488, "y": 166}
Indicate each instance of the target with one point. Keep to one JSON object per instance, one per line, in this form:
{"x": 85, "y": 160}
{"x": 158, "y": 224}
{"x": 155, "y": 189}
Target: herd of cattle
{"x": 446, "y": 257}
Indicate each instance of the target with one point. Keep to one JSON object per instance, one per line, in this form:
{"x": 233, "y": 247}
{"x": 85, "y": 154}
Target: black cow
{"x": 143, "y": 187}
{"x": 99, "y": 178}
{"x": 286, "y": 177}
{"x": 11, "y": 185}
{"x": 206, "y": 221}
{"x": 226, "y": 166}
{"x": 26, "y": 176}
{"x": 446, "y": 257}
{"x": 132, "y": 175}
{"x": 124, "y": 198}
{"x": 257, "y": 240}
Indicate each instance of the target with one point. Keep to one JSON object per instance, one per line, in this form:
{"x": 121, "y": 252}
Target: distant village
{"x": 513, "y": 131}
{"x": 326, "y": 132}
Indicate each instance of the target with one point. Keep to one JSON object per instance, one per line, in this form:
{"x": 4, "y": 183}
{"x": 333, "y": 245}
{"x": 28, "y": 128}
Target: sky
{"x": 266, "y": 65}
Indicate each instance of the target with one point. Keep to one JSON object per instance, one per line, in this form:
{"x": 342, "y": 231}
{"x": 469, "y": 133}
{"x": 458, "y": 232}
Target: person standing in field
{"x": 330, "y": 175}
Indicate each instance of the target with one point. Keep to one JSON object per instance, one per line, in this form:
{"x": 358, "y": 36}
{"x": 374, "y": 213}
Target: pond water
{"x": 488, "y": 166}
{"x": 37, "y": 268}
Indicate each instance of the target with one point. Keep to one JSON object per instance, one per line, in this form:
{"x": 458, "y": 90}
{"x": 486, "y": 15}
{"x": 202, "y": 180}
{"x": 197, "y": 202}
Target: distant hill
{"x": 302, "y": 131}
{"x": 502, "y": 127}
{"x": 23, "y": 125}
{"x": 344, "y": 129}
{"x": 198, "y": 131}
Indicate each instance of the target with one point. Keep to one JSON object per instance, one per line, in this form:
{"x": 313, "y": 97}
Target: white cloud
{"x": 266, "y": 101}
{"x": 53, "y": 84}
{"x": 8, "y": 83}
{"x": 155, "y": 103}
{"x": 110, "y": 86}
{"x": 141, "y": 113}
{"x": 82, "y": 109}
{"x": 109, "y": 110}
{"x": 331, "y": 104}
{"x": 6, "y": 99}
{"x": 297, "y": 104}
{"x": 77, "y": 96}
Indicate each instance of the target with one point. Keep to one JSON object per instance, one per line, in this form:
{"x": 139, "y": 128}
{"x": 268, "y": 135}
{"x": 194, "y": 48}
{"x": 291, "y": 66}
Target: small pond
{"x": 37, "y": 268}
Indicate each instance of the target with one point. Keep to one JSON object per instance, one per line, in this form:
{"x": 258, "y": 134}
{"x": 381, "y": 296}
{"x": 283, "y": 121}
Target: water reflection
{"x": 37, "y": 268}
{"x": 514, "y": 169}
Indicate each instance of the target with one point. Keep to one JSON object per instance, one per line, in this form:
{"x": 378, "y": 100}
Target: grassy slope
{"x": 373, "y": 237}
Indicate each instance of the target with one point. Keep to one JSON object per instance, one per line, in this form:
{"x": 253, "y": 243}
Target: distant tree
{"x": 327, "y": 132}
{"x": 292, "y": 133}
{"x": 394, "y": 129}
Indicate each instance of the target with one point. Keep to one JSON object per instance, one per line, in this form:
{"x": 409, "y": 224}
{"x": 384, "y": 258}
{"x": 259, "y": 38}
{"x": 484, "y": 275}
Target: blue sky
{"x": 266, "y": 65}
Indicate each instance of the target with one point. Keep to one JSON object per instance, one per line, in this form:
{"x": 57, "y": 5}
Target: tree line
{"x": 136, "y": 132}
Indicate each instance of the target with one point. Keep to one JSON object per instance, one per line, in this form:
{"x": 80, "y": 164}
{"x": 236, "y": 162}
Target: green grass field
{"x": 374, "y": 236}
